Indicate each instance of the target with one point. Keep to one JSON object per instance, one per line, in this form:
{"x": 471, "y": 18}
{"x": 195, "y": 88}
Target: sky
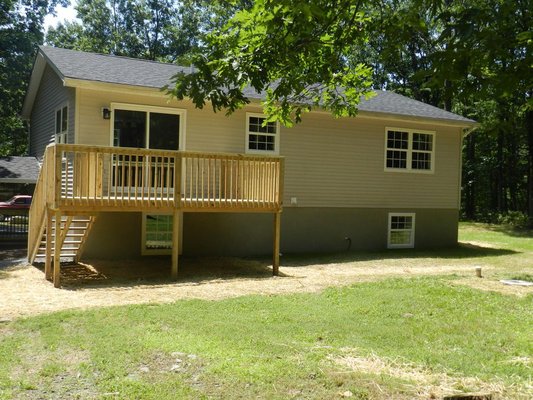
{"x": 63, "y": 14}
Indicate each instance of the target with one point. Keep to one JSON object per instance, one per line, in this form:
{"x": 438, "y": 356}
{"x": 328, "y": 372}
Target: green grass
{"x": 499, "y": 236}
{"x": 279, "y": 347}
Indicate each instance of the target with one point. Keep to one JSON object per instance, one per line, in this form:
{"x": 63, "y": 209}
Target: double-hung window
{"x": 409, "y": 150}
{"x": 401, "y": 232}
{"x": 261, "y": 136}
{"x": 61, "y": 125}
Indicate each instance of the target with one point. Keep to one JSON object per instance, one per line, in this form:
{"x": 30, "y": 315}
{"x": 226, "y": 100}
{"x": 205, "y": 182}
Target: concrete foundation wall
{"x": 115, "y": 236}
{"x": 313, "y": 230}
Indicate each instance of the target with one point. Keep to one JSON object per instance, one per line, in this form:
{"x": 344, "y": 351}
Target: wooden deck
{"x": 85, "y": 180}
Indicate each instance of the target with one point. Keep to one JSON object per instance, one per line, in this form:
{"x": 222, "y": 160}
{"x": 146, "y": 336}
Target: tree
{"x": 21, "y": 31}
{"x": 473, "y": 58}
{"x": 295, "y": 52}
{"x": 488, "y": 56}
{"x": 162, "y": 30}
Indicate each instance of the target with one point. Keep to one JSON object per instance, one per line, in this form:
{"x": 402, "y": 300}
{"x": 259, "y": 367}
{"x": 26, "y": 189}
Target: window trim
{"x": 276, "y": 136}
{"x": 409, "y": 150}
{"x": 144, "y": 250}
{"x": 409, "y": 245}
{"x": 62, "y": 133}
{"x": 149, "y": 109}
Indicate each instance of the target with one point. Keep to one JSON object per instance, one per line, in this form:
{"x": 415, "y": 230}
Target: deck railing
{"x": 89, "y": 178}
{"x": 42, "y": 197}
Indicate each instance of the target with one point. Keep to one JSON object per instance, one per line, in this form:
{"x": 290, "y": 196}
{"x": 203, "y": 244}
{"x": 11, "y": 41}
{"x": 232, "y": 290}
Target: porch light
{"x": 106, "y": 113}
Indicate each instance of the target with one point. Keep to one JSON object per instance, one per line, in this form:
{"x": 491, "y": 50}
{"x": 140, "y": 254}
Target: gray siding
{"x": 50, "y": 96}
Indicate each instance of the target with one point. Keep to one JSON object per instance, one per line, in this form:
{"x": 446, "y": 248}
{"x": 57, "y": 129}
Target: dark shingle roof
{"x": 135, "y": 72}
{"x": 16, "y": 169}
{"x": 393, "y": 103}
{"x": 111, "y": 69}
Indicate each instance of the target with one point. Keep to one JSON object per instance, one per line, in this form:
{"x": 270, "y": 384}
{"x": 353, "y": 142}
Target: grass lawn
{"x": 399, "y": 338}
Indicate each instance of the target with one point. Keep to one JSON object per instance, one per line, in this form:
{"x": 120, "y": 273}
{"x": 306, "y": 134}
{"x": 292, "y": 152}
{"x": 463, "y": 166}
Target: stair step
{"x": 72, "y": 227}
{"x": 43, "y": 243}
{"x": 74, "y": 235}
{"x": 74, "y": 221}
{"x": 62, "y": 248}
{"x": 70, "y": 255}
{"x": 71, "y": 247}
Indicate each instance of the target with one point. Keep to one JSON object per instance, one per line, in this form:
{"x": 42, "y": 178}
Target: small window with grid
{"x": 157, "y": 234}
{"x": 262, "y": 136}
{"x": 409, "y": 150}
{"x": 401, "y": 232}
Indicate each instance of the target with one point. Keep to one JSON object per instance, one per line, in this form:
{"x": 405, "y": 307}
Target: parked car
{"x": 19, "y": 202}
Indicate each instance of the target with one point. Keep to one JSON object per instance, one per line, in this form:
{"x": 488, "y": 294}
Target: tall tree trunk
{"x": 529, "y": 130}
{"x": 448, "y": 90}
{"x": 513, "y": 170}
{"x": 469, "y": 183}
{"x": 500, "y": 187}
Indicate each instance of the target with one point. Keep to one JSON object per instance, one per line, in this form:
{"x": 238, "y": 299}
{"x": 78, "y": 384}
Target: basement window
{"x": 401, "y": 231}
{"x": 157, "y": 234}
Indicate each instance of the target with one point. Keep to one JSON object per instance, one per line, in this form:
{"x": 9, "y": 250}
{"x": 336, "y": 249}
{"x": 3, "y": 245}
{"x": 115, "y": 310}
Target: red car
{"x": 19, "y": 202}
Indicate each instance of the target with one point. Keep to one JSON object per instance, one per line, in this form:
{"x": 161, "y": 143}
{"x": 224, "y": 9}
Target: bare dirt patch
{"x": 105, "y": 283}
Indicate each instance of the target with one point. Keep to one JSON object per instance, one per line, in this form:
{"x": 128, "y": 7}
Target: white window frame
{"x": 146, "y": 251}
{"x": 149, "y": 109}
{"x": 61, "y": 136}
{"x": 410, "y": 150}
{"x": 411, "y": 243}
{"x": 248, "y": 133}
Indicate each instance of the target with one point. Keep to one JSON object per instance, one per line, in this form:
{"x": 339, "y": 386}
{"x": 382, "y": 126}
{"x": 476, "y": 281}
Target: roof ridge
{"x": 44, "y": 47}
{"x": 114, "y": 69}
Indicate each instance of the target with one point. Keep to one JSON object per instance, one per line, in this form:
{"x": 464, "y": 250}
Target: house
{"x": 128, "y": 171}
{"x": 18, "y": 175}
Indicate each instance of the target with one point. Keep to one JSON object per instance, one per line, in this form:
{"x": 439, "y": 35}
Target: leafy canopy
{"x": 21, "y": 31}
{"x": 162, "y": 30}
{"x": 294, "y": 52}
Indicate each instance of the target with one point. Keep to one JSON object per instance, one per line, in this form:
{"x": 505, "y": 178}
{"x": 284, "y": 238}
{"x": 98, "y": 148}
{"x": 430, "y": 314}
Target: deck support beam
{"x": 57, "y": 250}
{"x": 48, "y": 250}
{"x": 175, "y": 243}
{"x": 277, "y": 232}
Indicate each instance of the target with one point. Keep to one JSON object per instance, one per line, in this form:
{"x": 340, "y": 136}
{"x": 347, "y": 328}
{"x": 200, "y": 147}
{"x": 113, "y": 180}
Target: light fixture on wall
{"x": 106, "y": 113}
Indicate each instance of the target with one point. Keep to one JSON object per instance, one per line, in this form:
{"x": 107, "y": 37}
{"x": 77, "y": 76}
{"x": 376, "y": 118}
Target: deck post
{"x": 175, "y": 242}
{"x": 48, "y": 249}
{"x": 57, "y": 250}
{"x": 277, "y": 230}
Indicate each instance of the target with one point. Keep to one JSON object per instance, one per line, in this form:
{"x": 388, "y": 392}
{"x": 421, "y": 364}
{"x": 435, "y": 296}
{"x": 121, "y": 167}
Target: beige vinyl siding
{"x": 50, "y": 96}
{"x": 204, "y": 130}
{"x": 340, "y": 163}
{"x": 328, "y": 162}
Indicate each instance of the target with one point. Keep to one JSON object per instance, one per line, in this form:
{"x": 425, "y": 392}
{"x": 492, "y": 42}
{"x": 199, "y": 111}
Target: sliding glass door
{"x": 145, "y": 127}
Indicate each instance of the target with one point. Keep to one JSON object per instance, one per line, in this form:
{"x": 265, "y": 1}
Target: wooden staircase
{"x": 74, "y": 231}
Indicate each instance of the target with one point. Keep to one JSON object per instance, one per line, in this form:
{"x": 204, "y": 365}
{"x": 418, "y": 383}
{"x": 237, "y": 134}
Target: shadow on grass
{"x": 512, "y": 231}
{"x": 463, "y": 250}
{"x": 155, "y": 271}
{"x": 12, "y": 258}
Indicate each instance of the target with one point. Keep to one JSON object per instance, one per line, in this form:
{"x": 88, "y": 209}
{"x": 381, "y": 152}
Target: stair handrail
{"x": 42, "y": 198}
